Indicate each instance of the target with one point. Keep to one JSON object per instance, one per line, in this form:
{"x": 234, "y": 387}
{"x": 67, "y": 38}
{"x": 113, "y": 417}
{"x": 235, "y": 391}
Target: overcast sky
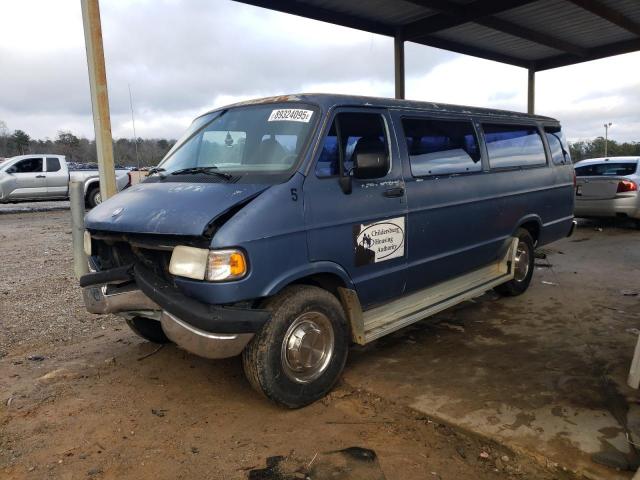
{"x": 182, "y": 58}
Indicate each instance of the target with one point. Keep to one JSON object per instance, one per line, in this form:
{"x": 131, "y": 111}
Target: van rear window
{"x": 557, "y": 146}
{"x": 608, "y": 168}
{"x": 514, "y": 146}
{"x": 441, "y": 147}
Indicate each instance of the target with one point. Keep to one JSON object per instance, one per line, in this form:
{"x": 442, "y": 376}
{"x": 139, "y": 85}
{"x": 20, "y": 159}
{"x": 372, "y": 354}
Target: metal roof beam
{"x": 607, "y": 13}
{"x": 480, "y": 12}
{"x": 324, "y": 15}
{"x": 532, "y": 35}
{"x": 616, "y": 48}
{"x": 474, "y": 51}
{"x": 454, "y": 14}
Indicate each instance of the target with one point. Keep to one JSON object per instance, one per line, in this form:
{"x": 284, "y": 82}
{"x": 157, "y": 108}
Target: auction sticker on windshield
{"x": 290, "y": 115}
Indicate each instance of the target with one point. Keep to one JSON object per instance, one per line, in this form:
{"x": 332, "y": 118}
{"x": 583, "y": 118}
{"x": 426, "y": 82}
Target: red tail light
{"x": 129, "y": 175}
{"x": 627, "y": 186}
{"x": 575, "y": 180}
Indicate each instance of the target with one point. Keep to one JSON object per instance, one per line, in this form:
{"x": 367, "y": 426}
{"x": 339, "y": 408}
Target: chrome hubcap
{"x": 522, "y": 262}
{"x": 307, "y": 347}
{"x": 98, "y": 198}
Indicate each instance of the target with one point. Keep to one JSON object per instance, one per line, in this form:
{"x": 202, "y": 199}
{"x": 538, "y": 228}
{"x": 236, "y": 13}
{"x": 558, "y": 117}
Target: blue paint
{"x": 301, "y": 223}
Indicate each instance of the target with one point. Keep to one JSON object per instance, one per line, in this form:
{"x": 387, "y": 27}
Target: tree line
{"x": 144, "y": 152}
{"x": 147, "y": 152}
{"x": 595, "y": 148}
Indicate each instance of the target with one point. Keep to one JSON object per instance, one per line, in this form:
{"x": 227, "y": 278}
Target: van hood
{"x": 169, "y": 208}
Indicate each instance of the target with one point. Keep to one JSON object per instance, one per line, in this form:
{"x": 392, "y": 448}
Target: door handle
{"x": 41, "y": 176}
{"x": 394, "y": 192}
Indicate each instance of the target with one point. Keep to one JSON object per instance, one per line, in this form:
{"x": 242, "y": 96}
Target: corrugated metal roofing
{"x": 536, "y": 34}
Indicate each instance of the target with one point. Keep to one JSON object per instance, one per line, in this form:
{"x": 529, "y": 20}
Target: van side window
{"x": 441, "y": 147}
{"x": 53, "y": 164}
{"x": 357, "y": 131}
{"x": 514, "y": 146}
{"x": 555, "y": 139}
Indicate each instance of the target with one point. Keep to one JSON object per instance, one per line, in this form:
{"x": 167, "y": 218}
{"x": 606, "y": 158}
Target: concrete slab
{"x": 543, "y": 373}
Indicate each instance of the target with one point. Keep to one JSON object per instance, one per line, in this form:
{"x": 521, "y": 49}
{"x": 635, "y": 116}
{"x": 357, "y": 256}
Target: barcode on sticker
{"x": 290, "y": 115}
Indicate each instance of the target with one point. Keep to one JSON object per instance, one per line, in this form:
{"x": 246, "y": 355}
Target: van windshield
{"x": 259, "y": 139}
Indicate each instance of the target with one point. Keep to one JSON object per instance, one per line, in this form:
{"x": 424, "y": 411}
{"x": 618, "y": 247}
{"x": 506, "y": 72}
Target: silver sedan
{"x": 608, "y": 187}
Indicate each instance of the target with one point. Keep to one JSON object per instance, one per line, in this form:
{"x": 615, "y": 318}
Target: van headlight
{"x": 211, "y": 265}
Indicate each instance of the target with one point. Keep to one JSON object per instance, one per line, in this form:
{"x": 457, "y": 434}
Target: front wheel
{"x": 297, "y": 357}
{"x": 522, "y": 268}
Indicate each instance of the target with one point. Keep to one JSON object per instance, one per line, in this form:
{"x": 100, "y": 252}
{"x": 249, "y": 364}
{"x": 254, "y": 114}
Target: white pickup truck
{"x": 46, "y": 177}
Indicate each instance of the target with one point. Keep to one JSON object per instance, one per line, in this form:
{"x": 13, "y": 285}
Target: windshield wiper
{"x": 206, "y": 170}
{"x": 155, "y": 170}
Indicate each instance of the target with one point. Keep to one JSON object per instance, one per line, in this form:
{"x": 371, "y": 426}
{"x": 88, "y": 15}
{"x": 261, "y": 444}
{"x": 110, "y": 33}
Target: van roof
{"x": 330, "y": 100}
{"x": 591, "y": 161}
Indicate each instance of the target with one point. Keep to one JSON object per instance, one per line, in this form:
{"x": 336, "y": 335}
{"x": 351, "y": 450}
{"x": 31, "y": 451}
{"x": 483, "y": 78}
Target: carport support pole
{"x": 634, "y": 372}
{"x": 531, "y": 91}
{"x": 76, "y": 197}
{"x": 99, "y": 96}
{"x": 398, "y": 61}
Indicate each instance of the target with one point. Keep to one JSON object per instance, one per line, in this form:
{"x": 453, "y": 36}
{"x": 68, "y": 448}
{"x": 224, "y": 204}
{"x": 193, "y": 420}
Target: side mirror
{"x": 370, "y": 165}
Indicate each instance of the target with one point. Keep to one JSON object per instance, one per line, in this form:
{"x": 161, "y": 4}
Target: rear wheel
{"x": 297, "y": 357}
{"x": 523, "y": 266}
{"x": 150, "y": 330}
{"x": 94, "y": 198}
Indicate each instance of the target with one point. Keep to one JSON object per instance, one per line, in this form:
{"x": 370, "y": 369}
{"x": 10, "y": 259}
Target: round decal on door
{"x": 379, "y": 241}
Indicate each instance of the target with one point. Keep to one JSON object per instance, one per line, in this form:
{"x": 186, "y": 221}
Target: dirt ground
{"x": 82, "y": 397}
{"x": 545, "y": 372}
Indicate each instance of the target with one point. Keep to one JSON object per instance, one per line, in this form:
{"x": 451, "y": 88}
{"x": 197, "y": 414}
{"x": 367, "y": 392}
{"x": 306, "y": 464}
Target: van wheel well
{"x": 534, "y": 230}
{"x": 326, "y": 281}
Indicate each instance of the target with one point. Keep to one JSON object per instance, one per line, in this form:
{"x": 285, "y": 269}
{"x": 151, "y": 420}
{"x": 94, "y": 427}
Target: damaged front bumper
{"x": 211, "y": 331}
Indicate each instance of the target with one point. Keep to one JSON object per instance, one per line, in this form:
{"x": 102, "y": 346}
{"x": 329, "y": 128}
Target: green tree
{"x": 20, "y": 141}
{"x": 4, "y": 139}
{"x": 68, "y": 144}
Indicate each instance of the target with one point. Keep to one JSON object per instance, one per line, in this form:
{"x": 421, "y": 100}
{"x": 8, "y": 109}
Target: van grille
{"x": 117, "y": 254}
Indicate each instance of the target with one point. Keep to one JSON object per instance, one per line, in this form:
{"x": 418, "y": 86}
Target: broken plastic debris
{"x": 544, "y": 282}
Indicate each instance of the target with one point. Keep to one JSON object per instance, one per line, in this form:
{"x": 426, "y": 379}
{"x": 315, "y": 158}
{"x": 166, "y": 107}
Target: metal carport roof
{"x": 534, "y": 34}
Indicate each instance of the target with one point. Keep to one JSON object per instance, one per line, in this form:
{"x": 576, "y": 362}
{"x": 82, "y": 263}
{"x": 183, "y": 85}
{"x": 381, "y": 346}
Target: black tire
{"x": 517, "y": 286}
{"x": 93, "y": 197}
{"x": 265, "y": 360}
{"x": 150, "y": 330}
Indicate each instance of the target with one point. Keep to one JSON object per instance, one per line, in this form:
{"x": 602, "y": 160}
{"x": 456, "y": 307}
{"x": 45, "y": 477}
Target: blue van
{"x": 286, "y": 228}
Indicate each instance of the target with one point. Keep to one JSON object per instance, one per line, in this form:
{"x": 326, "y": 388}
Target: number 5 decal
{"x": 294, "y": 194}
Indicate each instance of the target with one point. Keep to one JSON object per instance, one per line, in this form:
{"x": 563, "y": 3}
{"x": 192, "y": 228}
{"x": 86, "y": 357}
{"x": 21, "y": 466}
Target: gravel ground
{"x": 37, "y": 287}
{"x": 28, "y": 207}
